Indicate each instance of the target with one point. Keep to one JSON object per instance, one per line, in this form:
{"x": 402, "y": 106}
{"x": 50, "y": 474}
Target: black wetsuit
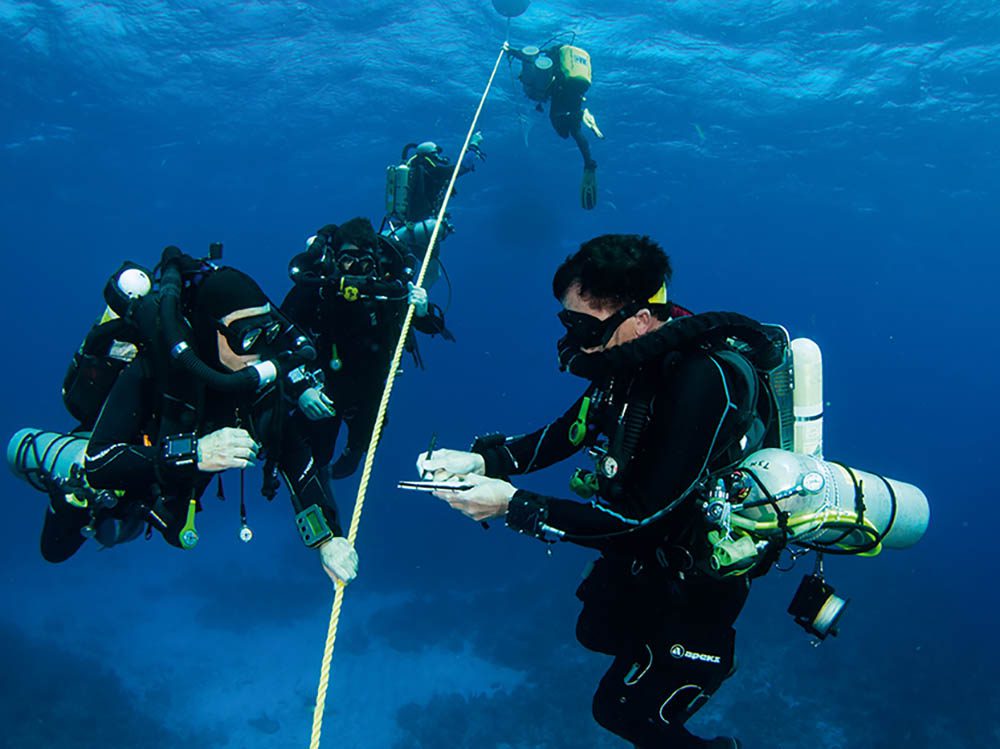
{"x": 361, "y": 336}
{"x": 429, "y": 176}
{"x": 668, "y": 625}
{"x": 124, "y": 454}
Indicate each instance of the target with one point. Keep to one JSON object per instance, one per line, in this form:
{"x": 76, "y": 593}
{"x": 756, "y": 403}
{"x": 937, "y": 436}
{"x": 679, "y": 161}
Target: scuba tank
{"x": 33, "y": 453}
{"x": 537, "y": 73}
{"x": 397, "y": 189}
{"x": 574, "y": 67}
{"x": 785, "y": 498}
{"x": 109, "y": 346}
{"x": 808, "y": 397}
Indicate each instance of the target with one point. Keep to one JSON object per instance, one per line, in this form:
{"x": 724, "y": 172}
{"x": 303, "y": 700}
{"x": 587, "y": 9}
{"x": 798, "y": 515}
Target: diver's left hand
{"x": 488, "y": 498}
{"x": 340, "y": 560}
{"x": 418, "y": 298}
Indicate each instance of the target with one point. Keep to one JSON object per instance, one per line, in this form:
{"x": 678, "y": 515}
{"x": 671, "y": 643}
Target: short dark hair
{"x": 357, "y": 231}
{"x": 613, "y": 270}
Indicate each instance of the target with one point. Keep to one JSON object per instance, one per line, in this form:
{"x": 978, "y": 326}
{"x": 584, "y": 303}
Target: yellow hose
{"x": 338, "y": 599}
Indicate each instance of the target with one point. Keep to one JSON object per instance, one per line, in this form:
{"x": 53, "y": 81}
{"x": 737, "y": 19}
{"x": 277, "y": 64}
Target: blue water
{"x": 828, "y": 165}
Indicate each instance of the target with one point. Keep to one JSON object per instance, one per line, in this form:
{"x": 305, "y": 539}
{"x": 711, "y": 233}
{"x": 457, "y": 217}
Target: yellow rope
{"x": 331, "y": 635}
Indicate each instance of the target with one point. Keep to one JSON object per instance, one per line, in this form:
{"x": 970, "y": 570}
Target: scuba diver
{"x": 171, "y": 388}
{"x": 695, "y": 488}
{"x": 351, "y": 291}
{"x": 562, "y": 75}
{"x": 415, "y": 189}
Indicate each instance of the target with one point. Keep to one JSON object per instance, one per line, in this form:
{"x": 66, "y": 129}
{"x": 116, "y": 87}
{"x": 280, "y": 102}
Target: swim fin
{"x": 588, "y": 188}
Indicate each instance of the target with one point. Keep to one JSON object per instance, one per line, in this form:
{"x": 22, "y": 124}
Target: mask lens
{"x": 352, "y": 265}
{"x": 248, "y": 335}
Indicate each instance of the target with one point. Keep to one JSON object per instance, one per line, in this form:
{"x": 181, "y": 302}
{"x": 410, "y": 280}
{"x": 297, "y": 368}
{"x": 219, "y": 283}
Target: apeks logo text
{"x": 679, "y": 651}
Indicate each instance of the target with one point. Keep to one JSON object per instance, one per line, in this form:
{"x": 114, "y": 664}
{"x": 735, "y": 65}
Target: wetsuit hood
{"x": 222, "y": 292}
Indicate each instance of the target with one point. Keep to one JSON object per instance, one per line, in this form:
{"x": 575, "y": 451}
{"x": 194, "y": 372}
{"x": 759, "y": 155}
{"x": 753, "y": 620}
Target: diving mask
{"x": 356, "y": 264}
{"x": 249, "y": 335}
{"x": 585, "y": 331}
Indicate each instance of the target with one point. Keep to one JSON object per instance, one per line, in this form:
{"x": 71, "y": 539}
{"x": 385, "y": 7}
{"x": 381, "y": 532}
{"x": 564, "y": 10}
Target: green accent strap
{"x": 189, "y": 534}
{"x": 578, "y": 429}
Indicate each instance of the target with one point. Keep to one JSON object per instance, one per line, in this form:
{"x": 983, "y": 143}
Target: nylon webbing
{"x": 331, "y": 635}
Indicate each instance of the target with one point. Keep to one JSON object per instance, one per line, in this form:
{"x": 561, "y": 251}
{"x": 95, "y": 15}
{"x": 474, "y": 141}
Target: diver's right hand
{"x": 226, "y": 448}
{"x": 315, "y": 405}
{"x": 443, "y": 464}
{"x": 476, "y": 145}
{"x": 340, "y": 560}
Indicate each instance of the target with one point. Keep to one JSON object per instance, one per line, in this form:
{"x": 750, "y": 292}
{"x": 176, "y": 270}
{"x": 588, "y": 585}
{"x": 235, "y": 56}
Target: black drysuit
{"x": 361, "y": 337}
{"x": 645, "y": 602}
{"x": 124, "y": 454}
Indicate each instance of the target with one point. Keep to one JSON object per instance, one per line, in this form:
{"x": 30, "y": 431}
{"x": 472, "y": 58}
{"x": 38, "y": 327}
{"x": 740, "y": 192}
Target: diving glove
{"x": 417, "y": 296}
{"x": 588, "y": 188}
{"x": 340, "y": 560}
{"x": 315, "y": 405}
{"x": 441, "y": 465}
{"x": 476, "y": 145}
{"x": 346, "y": 464}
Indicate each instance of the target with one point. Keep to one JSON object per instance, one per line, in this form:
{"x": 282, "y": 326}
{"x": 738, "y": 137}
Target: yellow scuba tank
{"x": 574, "y": 64}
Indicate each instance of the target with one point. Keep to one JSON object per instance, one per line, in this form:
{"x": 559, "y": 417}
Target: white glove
{"x": 315, "y": 405}
{"x": 443, "y": 464}
{"x": 226, "y": 448}
{"x": 340, "y": 560}
{"x": 489, "y": 498}
{"x": 418, "y": 298}
{"x": 476, "y": 145}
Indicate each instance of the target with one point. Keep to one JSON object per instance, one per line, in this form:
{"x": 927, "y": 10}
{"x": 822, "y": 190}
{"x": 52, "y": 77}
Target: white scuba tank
{"x": 821, "y": 497}
{"x": 808, "y": 397}
{"x": 397, "y": 190}
{"x": 34, "y": 451}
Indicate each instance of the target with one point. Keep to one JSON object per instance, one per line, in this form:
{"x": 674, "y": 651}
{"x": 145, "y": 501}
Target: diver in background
{"x": 561, "y": 74}
{"x": 171, "y": 421}
{"x": 351, "y": 291}
{"x": 415, "y": 190}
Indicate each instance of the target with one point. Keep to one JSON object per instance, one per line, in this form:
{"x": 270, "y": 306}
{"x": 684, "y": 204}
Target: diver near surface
{"x": 351, "y": 291}
{"x": 415, "y": 189}
{"x": 203, "y": 373}
{"x": 562, "y": 75}
{"x": 691, "y": 496}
